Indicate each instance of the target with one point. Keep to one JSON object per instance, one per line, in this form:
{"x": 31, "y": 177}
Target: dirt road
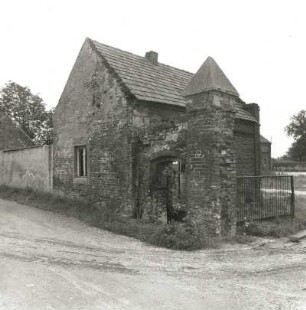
{"x": 48, "y": 261}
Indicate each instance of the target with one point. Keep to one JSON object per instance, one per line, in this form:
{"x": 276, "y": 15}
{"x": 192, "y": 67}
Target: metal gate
{"x": 262, "y": 197}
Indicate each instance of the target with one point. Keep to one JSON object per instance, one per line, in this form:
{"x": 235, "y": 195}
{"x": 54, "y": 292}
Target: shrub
{"x": 179, "y": 236}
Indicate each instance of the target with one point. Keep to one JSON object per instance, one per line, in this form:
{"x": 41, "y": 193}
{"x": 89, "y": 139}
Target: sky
{"x": 260, "y": 45}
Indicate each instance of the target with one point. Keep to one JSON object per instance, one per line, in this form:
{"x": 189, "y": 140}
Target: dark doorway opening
{"x": 167, "y": 187}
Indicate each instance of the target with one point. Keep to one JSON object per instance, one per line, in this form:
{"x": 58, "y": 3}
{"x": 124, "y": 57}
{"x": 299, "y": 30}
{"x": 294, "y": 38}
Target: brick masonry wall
{"x": 254, "y": 109}
{"x": 265, "y": 149}
{"x": 245, "y": 147}
{"x": 160, "y": 134}
{"x": 165, "y": 142}
{"x": 211, "y": 163}
{"x": 93, "y": 111}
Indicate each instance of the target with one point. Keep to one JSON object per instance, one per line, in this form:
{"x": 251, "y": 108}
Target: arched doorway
{"x": 167, "y": 188}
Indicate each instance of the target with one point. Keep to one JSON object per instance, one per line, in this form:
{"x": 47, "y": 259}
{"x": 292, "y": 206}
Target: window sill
{"x": 80, "y": 180}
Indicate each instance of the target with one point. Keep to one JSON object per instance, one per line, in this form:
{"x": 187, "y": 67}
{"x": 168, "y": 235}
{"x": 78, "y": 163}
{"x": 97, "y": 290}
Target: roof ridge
{"x": 112, "y": 47}
{"x": 142, "y": 57}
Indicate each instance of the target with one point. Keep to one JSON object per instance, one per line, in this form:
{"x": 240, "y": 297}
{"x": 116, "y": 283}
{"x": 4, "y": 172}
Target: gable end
{"x": 124, "y": 88}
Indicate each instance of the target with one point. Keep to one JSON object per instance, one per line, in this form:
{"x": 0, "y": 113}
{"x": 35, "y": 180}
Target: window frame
{"x": 77, "y": 163}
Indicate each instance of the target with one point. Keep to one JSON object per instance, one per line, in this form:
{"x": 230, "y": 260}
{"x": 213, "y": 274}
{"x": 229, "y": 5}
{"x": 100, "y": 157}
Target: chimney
{"x": 152, "y": 57}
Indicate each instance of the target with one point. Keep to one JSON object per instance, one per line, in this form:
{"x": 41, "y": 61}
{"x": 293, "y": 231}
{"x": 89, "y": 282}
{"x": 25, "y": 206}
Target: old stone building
{"x": 12, "y": 136}
{"x": 146, "y": 139}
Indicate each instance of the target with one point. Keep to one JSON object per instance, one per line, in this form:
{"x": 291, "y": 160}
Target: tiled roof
{"x": 210, "y": 77}
{"x": 148, "y": 82}
{"x": 11, "y": 136}
{"x": 243, "y": 114}
{"x": 264, "y": 140}
{"x": 157, "y": 83}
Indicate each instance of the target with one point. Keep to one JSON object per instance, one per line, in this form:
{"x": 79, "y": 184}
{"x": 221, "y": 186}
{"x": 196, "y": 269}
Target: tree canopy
{"x": 297, "y": 129}
{"x": 28, "y": 111}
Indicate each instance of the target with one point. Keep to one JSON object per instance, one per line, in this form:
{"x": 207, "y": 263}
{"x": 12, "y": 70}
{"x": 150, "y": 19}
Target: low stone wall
{"x": 27, "y": 168}
{"x": 289, "y": 166}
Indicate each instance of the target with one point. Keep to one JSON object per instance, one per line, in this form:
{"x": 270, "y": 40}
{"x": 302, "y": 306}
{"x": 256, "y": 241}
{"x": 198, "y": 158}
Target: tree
{"x": 28, "y": 111}
{"x": 297, "y": 129}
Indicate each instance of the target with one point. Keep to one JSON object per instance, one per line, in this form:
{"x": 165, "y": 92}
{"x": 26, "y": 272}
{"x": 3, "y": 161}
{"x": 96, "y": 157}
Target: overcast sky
{"x": 260, "y": 45}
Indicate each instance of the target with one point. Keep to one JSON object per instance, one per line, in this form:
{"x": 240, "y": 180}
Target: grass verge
{"x": 282, "y": 227}
{"x": 277, "y": 228}
{"x": 177, "y": 236}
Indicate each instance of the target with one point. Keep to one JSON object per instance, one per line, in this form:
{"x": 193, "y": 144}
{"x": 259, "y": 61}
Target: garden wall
{"x": 27, "y": 168}
{"x": 289, "y": 166}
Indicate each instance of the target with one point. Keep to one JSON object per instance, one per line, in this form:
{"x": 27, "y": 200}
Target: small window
{"x": 81, "y": 161}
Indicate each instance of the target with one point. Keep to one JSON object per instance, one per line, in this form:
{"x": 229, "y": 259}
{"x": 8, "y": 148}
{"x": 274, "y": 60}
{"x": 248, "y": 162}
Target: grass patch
{"x": 300, "y": 182}
{"x": 300, "y": 207}
{"x": 282, "y": 227}
{"x": 277, "y": 228}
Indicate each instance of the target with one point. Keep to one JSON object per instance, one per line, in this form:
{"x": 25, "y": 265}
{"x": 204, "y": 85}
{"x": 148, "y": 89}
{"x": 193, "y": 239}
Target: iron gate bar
{"x": 262, "y": 197}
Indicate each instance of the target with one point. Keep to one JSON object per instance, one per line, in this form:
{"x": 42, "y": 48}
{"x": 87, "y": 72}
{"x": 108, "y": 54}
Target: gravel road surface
{"x": 48, "y": 261}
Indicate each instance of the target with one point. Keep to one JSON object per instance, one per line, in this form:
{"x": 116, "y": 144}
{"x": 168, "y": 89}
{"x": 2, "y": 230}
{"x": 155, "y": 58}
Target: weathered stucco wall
{"x": 27, "y": 168}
